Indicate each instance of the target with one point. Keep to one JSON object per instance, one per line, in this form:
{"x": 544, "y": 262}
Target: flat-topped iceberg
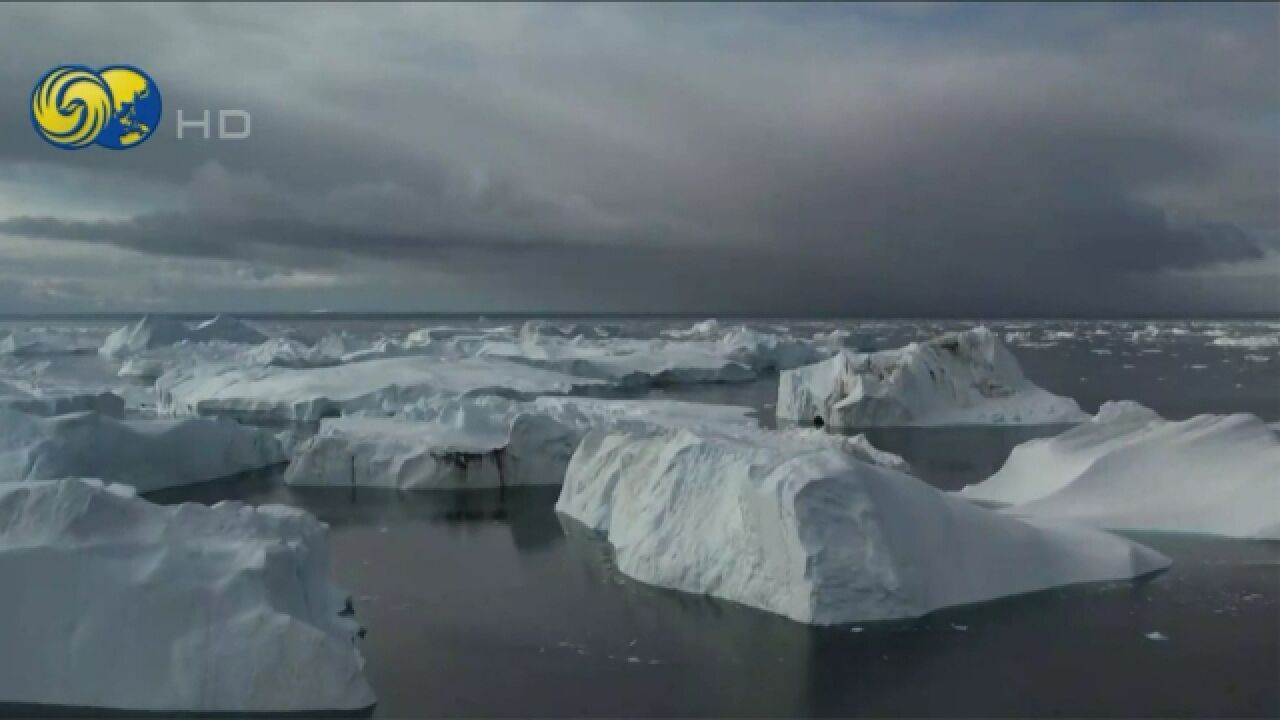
{"x": 33, "y": 402}
{"x": 1130, "y": 469}
{"x": 113, "y": 602}
{"x": 958, "y": 378}
{"x": 154, "y": 331}
{"x": 705, "y": 354}
{"x": 475, "y": 443}
{"x": 382, "y": 386}
{"x": 147, "y": 454}
{"x": 790, "y": 524}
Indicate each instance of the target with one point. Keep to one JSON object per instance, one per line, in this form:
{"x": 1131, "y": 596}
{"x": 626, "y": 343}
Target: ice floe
{"x": 147, "y": 454}
{"x": 112, "y": 602}
{"x": 32, "y": 343}
{"x": 1128, "y": 468}
{"x": 795, "y": 526}
{"x": 958, "y": 378}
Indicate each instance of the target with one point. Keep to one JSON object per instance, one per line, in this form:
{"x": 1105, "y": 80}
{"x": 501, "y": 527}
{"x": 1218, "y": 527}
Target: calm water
{"x": 488, "y": 604}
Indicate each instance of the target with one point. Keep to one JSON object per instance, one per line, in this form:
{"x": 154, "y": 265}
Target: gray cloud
{"x": 791, "y": 159}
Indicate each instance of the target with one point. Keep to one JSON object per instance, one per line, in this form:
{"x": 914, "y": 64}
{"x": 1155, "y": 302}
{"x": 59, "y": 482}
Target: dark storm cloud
{"x": 787, "y": 158}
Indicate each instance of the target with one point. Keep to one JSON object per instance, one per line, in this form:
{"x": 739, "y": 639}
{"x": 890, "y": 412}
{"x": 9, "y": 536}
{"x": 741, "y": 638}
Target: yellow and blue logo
{"x": 117, "y": 107}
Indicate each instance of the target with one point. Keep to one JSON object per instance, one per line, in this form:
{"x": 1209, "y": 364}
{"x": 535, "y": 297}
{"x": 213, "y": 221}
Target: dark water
{"x": 489, "y": 604}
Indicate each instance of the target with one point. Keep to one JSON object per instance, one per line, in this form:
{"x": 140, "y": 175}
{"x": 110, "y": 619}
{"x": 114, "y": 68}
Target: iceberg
{"x": 155, "y": 332}
{"x": 31, "y": 402}
{"x": 1130, "y": 469}
{"x": 147, "y": 454}
{"x": 380, "y": 386}
{"x": 26, "y": 343}
{"x": 958, "y": 378}
{"x": 112, "y": 602}
{"x": 798, "y": 526}
{"x": 478, "y": 443}
{"x": 705, "y": 354}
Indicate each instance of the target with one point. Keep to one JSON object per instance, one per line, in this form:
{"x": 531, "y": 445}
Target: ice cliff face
{"x": 1128, "y": 468}
{"x": 802, "y": 528}
{"x": 127, "y": 605}
{"x": 957, "y": 378}
{"x": 147, "y": 454}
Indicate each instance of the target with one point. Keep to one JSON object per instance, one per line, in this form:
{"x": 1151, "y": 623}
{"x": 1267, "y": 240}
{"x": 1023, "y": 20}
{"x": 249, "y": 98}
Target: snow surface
{"x": 1130, "y": 469}
{"x": 154, "y": 331}
{"x": 473, "y": 443}
{"x": 382, "y": 386}
{"x": 147, "y": 454}
{"x": 789, "y": 524}
{"x": 958, "y": 378}
{"x": 114, "y": 602}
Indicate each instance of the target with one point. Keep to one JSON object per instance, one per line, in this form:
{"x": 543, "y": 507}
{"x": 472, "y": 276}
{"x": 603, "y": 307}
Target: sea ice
{"x": 1130, "y": 469}
{"x": 35, "y": 402}
{"x": 474, "y": 443}
{"x": 957, "y": 378}
{"x": 380, "y": 386}
{"x": 112, "y": 602}
{"x": 148, "y": 454}
{"x": 798, "y": 527}
{"x": 154, "y": 331}
{"x": 1257, "y": 342}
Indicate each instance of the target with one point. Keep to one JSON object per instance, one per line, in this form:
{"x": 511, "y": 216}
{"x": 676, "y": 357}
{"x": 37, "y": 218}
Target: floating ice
{"x": 958, "y": 378}
{"x": 1256, "y": 342}
{"x": 148, "y": 454}
{"x": 29, "y": 343}
{"x": 153, "y": 332}
{"x": 1130, "y": 469}
{"x": 34, "y": 402}
{"x": 382, "y": 386}
{"x": 113, "y": 602}
{"x": 795, "y": 526}
{"x": 479, "y": 443}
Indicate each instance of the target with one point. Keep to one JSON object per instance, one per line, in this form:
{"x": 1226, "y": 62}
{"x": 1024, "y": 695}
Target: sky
{"x": 852, "y": 160}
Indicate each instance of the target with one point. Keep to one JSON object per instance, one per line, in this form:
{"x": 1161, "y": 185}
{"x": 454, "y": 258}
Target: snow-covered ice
{"x": 31, "y": 343}
{"x": 147, "y": 454}
{"x": 790, "y": 524}
{"x": 958, "y": 378}
{"x": 474, "y": 443}
{"x": 113, "y": 602}
{"x": 382, "y": 386}
{"x": 33, "y": 401}
{"x": 1128, "y": 468}
{"x": 154, "y": 331}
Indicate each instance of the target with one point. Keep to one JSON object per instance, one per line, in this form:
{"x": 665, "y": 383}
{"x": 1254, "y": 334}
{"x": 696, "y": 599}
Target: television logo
{"x": 116, "y": 107}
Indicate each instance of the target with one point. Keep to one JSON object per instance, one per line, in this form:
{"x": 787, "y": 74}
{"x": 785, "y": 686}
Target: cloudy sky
{"x": 826, "y": 159}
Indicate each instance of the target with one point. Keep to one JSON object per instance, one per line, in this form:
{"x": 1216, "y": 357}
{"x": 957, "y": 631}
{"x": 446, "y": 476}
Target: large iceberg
{"x": 384, "y": 386}
{"x": 148, "y": 454}
{"x": 1130, "y": 469}
{"x": 154, "y": 332}
{"x": 113, "y": 602}
{"x": 474, "y": 443}
{"x": 35, "y": 402}
{"x": 704, "y": 354}
{"x": 958, "y": 378}
{"x": 796, "y": 526}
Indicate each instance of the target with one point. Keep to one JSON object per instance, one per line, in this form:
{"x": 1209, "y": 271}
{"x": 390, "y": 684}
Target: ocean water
{"x": 489, "y": 604}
